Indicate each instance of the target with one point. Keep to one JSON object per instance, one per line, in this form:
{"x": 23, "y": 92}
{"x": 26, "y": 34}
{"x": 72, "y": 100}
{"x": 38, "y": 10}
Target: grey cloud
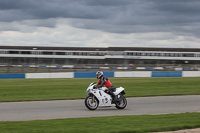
{"x": 117, "y": 16}
{"x": 44, "y": 9}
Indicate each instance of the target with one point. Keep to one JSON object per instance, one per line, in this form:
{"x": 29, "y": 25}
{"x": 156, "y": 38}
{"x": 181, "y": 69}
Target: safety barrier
{"x": 50, "y": 75}
{"x": 133, "y": 74}
{"x": 166, "y": 74}
{"x": 13, "y": 76}
{"x": 107, "y": 74}
{"x": 91, "y": 74}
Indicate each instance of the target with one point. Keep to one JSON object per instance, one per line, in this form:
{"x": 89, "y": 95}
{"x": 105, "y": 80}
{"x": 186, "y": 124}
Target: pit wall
{"x": 107, "y": 74}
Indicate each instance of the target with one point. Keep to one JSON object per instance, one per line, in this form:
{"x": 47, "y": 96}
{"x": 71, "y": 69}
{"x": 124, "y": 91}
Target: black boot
{"x": 114, "y": 97}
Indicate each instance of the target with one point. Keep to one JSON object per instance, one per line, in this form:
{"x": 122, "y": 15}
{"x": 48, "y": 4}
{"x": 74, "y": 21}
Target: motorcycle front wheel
{"x": 122, "y": 104}
{"x": 91, "y": 102}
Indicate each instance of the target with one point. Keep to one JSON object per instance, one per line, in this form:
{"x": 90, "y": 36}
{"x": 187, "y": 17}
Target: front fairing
{"x": 91, "y": 87}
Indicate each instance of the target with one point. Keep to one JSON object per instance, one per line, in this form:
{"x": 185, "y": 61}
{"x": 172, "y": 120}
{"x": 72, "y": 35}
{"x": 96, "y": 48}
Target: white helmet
{"x": 99, "y": 74}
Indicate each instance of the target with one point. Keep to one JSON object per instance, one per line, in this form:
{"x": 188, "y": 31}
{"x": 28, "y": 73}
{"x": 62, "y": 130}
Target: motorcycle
{"x": 99, "y": 97}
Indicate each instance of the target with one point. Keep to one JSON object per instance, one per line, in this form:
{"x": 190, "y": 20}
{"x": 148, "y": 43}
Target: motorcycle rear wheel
{"x": 91, "y": 103}
{"x": 122, "y": 104}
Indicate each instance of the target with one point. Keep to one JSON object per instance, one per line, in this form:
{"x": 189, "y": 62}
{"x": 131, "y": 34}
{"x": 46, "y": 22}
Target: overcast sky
{"x": 100, "y": 23}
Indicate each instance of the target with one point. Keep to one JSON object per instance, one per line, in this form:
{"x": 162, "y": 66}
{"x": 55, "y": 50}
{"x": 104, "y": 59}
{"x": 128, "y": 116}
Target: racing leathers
{"x": 103, "y": 81}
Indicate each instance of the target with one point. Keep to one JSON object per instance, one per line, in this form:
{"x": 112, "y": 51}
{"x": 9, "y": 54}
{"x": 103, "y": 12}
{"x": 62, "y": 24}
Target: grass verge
{"x": 56, "y": 89}
{"x": 114, "y": 124}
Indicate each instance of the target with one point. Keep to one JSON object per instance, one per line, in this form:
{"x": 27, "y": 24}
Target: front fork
{"x": 93, "y": 98}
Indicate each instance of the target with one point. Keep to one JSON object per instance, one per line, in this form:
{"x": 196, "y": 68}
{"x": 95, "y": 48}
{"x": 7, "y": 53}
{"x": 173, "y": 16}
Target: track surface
{"x": 40, "y": 110}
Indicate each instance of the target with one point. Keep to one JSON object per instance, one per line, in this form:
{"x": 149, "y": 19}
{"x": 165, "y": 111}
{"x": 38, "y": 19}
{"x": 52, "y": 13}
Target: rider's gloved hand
{"x": 98, "y": 87}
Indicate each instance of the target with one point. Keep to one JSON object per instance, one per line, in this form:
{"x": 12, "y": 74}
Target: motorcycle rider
{"x": 103, "y": 81}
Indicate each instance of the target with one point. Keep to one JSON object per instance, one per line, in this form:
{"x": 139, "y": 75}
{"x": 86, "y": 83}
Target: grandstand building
{"x": 119, "y": 56}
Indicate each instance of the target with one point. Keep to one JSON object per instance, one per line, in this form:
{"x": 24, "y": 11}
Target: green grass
{"x": 52, "y": 89}
{"x": 113, "y": 124}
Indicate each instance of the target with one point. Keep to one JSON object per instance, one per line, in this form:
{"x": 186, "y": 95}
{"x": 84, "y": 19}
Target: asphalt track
{"x": 41, "y": 110}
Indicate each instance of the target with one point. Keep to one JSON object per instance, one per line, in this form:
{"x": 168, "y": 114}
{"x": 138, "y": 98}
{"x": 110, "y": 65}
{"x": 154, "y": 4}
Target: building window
{"x": 75, "y": 53}
{"x": 2, "y": 52}
{"x": 47, "y": 53}
{"x": 177, "y": 55}
{"x": 60, "y": 53}
{"x": 85, "y": 54}
{"x": 13, "y": 52}
{"x": 68, "y": 53}
{"x": 157, "y": 54}
{"x": 25, "y": 52}
{"x": 166, "y": 54}
{"x": 138, "y": 54}
{"x": 188, "y": 55}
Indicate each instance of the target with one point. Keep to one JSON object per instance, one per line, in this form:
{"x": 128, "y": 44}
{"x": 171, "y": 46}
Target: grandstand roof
{"x": 102, "y": 48}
